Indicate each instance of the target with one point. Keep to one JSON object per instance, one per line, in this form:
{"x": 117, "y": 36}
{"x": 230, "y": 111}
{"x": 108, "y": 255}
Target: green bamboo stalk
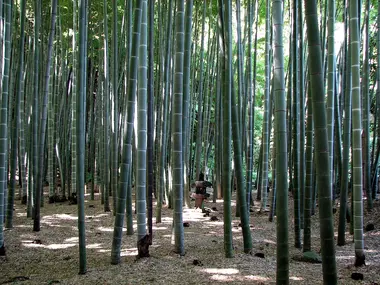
{"x": 331, "y": 87}
{"x": 14, "y": 140}
{"x": 302, "y": 96}
{"x": 177, "y": 132}
{"x": 296, "y": 128}
{"x": 366, "y": 109}
{"x": 80, "y": 151}
{"x": 265, "y": 141}
{"x": 357, "y": 181}
{"x": 164, "y": 116}
{"x": 35, "y": 114}
{"x": 115, "y": 90}
{"x": 309, "y": 172}
{"x": 125, "y": 193}
{"x": 4, "y": 116}
{"x": 142, "y": 133}
{"x": 346, "y": 139}
{"x": 74, "y": 116}
{"x": 186, "y": 97}
{"x": 198, "y": 145}
{"x": 41, "y": 151}
{"x": 282, "y": 271}
{"x": 225, "y": 17}
{"x": 106, "y": 171}
{"x": 321, "y": 144}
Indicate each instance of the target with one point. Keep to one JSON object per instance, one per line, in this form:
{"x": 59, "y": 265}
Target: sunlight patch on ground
{"x": 59, "y": 216}
{"x": 72, "y": 239}
{"x": 107, "y": 229}
{"x": 346, "y": 257}
{"x": 98, "y": 216}
{"x": 214, "y": 223}
{"x": 19, "y": 215}
{"x": 104, "y": 250}
{"x": 166, "y": 220}
{"x": 159, "y": 228}
{"x": 129, "y": 252}
{"x": 295, "y": 278}
{"x": 256, "y": 278}
{"x": 30, "y": 244}
{"x": 269, "y": 241}
{"x": 225, "y": 271}
{"x": 94, "y": 245}
{"x": 60, "y": 246}
{"x": 371, "y": 251}
{"x": 218, "y": 277}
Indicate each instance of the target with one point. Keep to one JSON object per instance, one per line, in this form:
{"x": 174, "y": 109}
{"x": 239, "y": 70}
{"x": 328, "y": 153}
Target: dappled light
{"x": 31, "y": 244}
{"x": 129, "y": 252}
{"x": 295, "y": 278}
{"x": 225, "y": 271}
{"x": 231, "y": 275}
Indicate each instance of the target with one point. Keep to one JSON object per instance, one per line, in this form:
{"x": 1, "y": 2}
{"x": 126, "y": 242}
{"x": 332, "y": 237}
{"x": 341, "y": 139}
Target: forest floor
{"x": 51, "y": 255}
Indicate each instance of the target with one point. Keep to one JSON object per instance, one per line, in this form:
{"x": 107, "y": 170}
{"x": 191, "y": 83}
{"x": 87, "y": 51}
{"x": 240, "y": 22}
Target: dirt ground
{"x": 51, "y": 255}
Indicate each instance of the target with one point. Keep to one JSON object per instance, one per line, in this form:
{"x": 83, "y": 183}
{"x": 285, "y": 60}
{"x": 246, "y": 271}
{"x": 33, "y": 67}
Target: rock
{"x": 207, "y": 211}
{"x": 311, "y": 257}
{"x": 53, "y": 282}
{"x": 357, "y": 276}
{"x": 91, "y": 206}
{"x": 67, "y": 258}
{"x": 369, "y": 227}
{"x": 37, "y": 241}
{"x": 213, "y": 218}
{"x": 197, "y": 262}
{"x": 260, "y": 254}
{"x": 214, "y": 209}
{"x": 186, "y": 224}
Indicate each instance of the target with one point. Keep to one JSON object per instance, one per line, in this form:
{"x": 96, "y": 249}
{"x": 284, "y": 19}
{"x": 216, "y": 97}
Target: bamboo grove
{"x": 135, "y": 100}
